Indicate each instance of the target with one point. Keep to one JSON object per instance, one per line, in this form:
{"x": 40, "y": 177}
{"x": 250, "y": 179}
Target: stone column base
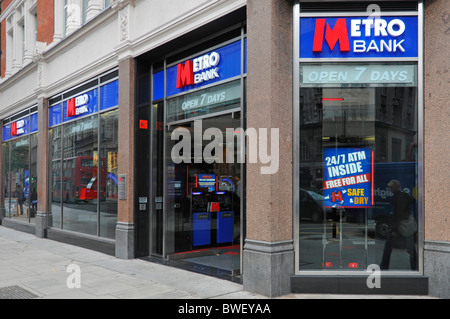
{"x": 268, "y": 267}
{"x": 437, "y": 267}
{"x": 43, "y": 221}
{"x": 125, "y": 240}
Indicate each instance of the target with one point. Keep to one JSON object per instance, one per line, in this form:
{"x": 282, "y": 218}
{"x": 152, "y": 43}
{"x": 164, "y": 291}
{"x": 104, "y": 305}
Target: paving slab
{"x": 39, "y": 268}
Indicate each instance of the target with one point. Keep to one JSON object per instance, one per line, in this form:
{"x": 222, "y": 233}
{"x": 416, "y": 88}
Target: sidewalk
{"x": 35, "y": 268}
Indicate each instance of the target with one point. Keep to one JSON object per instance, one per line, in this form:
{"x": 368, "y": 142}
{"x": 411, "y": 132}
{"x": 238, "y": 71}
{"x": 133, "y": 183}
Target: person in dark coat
{"x": 402, "y": 204}
{"x": 20, "y": 197}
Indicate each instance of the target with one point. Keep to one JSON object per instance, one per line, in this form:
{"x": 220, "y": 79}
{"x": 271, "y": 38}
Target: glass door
{"x": 157, "y": 180}
{"x": 203, "y": 194}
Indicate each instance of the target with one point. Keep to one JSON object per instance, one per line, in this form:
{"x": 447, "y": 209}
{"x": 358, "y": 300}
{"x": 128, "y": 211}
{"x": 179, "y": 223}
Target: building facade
{"x": 280, "y": 144}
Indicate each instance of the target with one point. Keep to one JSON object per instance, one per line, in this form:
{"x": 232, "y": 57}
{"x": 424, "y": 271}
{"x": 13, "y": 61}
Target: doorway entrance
{"x": 191, "y": 213}
{"x": 203, "y": 193}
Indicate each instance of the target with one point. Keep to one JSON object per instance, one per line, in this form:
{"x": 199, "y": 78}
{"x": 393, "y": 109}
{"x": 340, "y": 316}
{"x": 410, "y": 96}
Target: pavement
{"x": 39, "y": 268}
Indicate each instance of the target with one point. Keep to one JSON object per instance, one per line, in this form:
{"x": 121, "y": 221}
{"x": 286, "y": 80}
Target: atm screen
{"x": 199, "y": 203}
{"x": 224, "y": 200}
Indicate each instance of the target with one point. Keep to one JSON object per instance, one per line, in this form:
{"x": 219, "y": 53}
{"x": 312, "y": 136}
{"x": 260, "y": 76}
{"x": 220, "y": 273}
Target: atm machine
{"x": 225, "y": 216}
{"x": 201, "y": 219}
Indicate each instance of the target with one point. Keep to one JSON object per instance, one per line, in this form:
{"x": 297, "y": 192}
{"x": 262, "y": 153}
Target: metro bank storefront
{"x": 358, "y": 169}
{"x": 345, "y": 87}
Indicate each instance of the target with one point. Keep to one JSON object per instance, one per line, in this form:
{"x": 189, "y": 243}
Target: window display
{"x": 358, "y": 160}
{"x": 83, "y": 138}
{"x": 20, "y": 141}
{"x": 351, "y": 153}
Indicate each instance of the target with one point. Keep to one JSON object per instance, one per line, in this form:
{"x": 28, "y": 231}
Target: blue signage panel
{"x": 347, "y": 177}
{"x": 6, "y": 132}
{"x": 158, "y": 85}
{"x": 214, "y": 66}
{"x": 85, "y": 104}
{"x": 359, "y": 37}
{"x": 81, "y": 105}
{"x": 109, "y": 95}
{"x": 20, "y": 127}
{"x": 55, "y": 115}
{"x": 33, "y": 122}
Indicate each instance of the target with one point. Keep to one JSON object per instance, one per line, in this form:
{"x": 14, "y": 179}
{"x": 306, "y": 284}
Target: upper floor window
{"x": 79, "y": 12}
{"x": 20, "y": 36}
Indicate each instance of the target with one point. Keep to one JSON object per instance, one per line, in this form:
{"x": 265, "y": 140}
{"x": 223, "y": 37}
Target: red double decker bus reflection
{"x": 79, "y": 181}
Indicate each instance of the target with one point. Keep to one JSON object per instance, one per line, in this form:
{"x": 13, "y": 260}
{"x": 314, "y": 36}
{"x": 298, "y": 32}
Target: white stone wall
{"x": 127, "y": 29}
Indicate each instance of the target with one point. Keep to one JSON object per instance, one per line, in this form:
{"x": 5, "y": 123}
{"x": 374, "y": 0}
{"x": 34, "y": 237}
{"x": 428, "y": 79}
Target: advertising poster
{"x": 348, "y": 181}
{"x": 207, "y": 181}
{"x": 11, "y": 207}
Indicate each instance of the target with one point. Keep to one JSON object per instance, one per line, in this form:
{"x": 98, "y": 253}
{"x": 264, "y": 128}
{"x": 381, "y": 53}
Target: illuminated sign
{"x": 143, "y": 124}
{"x": 203, "y": 101}
{"x": 26, "y": 125}
{"x": 78, "y": 105}
{"x": 208, "y": 181}
{"x": 348, "y": 177}
{"x": 207, "y": 68}
{"x": 199, "y": 70}
{"x": 314, "y": 74}
{"x": 106, "y": 96}
{"x": 358, "y": 37}
{"x": 18, "y": 128}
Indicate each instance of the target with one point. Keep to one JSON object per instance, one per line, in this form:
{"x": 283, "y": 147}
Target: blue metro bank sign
{"x": 359, "y": 37}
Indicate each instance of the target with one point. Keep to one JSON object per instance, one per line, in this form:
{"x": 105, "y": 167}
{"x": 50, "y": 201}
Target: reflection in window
{"x": 109, "y": 125}
{"x": 6, "y": 177}
{"x": 83, "y": 186}
{"x": 20, "y": 178}
{"x": 55, "y": 185}
{"x": 79, "y": 183}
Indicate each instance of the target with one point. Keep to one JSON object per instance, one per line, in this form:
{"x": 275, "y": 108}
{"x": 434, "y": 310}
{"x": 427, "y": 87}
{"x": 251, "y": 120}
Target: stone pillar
{"x": 125, "y": 243}
{"x": 437, "y": 146}
{"x": 74, "y": 14}
{"x": 43, "y": 209}
{"x": 268, "y": 261}
{"x": 59, "y": 27}
{"x": 94, "y": 8}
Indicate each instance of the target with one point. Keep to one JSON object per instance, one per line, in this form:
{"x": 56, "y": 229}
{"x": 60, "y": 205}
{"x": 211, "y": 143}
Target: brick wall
{"x": 3, "y": 47}
{"x": 45, "y": 27}
{"x": 5, "y": 4}
{"x": 46, "y": 21}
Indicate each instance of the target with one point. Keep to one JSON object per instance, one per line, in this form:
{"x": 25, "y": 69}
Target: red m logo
{"x": 214, "y": 207}
{"x": 336, "y": 197}
{"x": 332, "y": 36}
{"x": 14, "y": 129}
{"x": 185, "y": 74}
{"x": 71, "y": 108}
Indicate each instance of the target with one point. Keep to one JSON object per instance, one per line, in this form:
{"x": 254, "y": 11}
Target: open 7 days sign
{"x": 359, "y": 37}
